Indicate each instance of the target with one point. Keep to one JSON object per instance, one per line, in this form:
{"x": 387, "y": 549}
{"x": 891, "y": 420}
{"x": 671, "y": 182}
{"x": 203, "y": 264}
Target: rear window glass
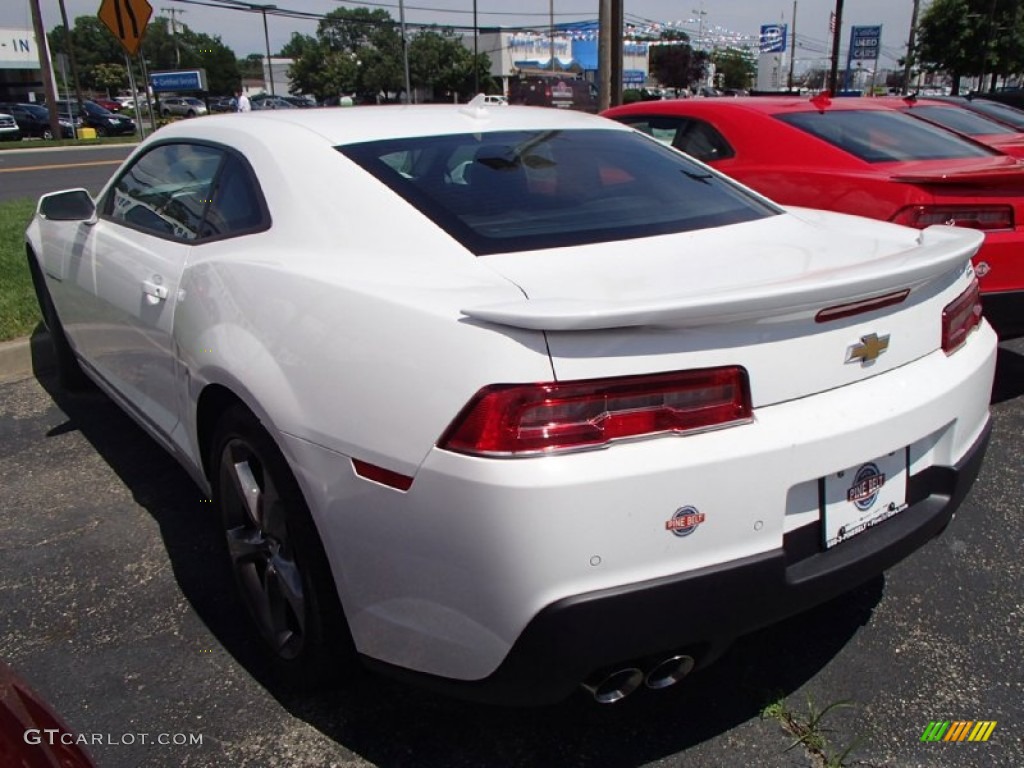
{"x": 882, "y": 136}
{"x": 526, "y": 190}
{"x": 1008, "y": 114}
{"x": 960, "y": 120}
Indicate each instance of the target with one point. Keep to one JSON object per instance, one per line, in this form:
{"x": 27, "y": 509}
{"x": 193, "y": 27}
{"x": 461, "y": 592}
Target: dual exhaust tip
{"x": 613, "y": 687}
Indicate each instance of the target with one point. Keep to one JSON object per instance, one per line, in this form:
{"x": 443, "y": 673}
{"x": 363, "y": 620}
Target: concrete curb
{"x": 24, "y": 357}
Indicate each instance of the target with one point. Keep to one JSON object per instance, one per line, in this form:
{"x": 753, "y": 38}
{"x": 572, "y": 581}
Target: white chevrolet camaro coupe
{"x": 511, "y": 400}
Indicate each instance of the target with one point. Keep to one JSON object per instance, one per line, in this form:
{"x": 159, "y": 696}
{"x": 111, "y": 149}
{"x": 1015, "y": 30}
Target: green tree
{"x": 736, "y": 67}
{"x": 972, "y": 37}
{"x": 440, "y": 62}
{"x": 251, "y": 67}
{"x": 677, "y": 65}
{"x": 94, "y": 45}
{"x": 163, "y": 49}
{"x": 110, "y": 77}
{"x": 355, "y": 50}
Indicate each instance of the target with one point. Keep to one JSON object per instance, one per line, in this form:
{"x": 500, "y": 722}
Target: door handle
{"x": 150, "y": 288}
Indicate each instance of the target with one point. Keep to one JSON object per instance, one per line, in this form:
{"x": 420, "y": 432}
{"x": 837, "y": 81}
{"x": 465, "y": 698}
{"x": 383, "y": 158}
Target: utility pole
{"x": 792, "y": 50}
{"x": 837, "y": 37}
{"x": 618, "y": 27}
{"x": 604, "y": 56}
{"x": 174, "y": 33}
{"x": 911, "y": 43}
{"x": 551, "y": 32}
{"x": 405, "y": 54}
{"x": 71, "y": 54}
{"x": 44, "y": 65}
{"x": 476, "y": 53}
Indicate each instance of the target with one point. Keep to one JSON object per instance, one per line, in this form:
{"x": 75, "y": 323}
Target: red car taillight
{"x": 961, "y": 317}
{"x": 984, "y": 217}
{"x": 529, "y": 419}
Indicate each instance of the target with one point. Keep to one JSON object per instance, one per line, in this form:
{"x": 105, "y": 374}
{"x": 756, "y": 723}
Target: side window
{"x": 165, "y": 192}
{"x": 700, "y": 140}
{"x": 237, "y": 205}
{"x": 664, "y": 129}
{"x": 694, "y": 137}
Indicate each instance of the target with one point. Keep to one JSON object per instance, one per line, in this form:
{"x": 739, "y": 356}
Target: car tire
{"x": 101, "y": 131}
{"x": 70, "y": 375}
{"x": 47, "y": 134}
{"x": 166, "y": 113}
{"x": 191, "y": 113}
{"x": 277, "y": 559}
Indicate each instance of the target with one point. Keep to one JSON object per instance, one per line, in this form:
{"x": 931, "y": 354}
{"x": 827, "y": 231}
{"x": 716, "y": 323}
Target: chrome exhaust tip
{"x": 669, "y": 671}
{"x": 615, "y": 686}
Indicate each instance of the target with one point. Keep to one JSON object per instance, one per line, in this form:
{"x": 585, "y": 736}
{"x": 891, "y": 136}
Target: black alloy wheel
{"x": 276, "y": 556}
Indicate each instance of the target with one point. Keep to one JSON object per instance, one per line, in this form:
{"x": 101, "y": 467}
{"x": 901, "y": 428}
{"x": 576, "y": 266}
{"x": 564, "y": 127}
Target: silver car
{"x": 183, "y": 106}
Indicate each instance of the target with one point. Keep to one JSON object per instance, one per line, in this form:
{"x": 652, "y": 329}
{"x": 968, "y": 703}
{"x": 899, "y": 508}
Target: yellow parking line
{"x": 59, "y": 165}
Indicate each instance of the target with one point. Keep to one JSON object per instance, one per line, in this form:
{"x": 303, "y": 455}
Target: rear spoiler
{"x": 1011, "y": 175}
{"x": 941, "y": 250}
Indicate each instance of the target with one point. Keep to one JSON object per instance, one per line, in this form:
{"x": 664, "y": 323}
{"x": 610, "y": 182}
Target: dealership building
{"x": 20, "y": 76}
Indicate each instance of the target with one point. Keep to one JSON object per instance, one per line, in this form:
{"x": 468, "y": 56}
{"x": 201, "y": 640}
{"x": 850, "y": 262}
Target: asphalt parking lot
{"x": 117, "y": 606}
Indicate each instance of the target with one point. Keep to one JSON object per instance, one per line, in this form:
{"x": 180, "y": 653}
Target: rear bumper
{"x": 571, "y": 638}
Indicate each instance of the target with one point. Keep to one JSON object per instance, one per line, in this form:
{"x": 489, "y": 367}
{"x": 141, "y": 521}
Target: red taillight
{"x": 527, "y": 419}
{"x": 961, "y": 317}
{"x": 984, "y": 217}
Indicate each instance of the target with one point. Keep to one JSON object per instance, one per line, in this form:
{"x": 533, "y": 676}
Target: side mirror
{"x": 72, "y": 205}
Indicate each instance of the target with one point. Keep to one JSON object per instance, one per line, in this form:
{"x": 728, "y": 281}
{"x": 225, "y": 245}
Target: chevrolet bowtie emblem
{"x": 870, "y": 347}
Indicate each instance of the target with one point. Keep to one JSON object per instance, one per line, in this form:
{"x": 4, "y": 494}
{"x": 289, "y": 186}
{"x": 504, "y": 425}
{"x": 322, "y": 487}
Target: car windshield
{"x": 193, "y": 102}
{"x": 883, "y": 136}
{"x": 526, "y": 190}
{"x": 95, "y": 109}
{"x": 961, "y": 120}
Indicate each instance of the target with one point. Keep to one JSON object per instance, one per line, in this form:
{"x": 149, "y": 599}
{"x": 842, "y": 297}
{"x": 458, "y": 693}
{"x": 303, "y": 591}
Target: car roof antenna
{"x": 477, "y": 107}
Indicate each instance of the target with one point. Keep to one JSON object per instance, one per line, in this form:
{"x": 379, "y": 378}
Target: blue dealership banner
{"x": 773, "y": 38}
{"x": 178, "y": 80}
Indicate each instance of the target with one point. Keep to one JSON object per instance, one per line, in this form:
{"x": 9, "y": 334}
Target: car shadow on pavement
{"x": 1009, "y": 381}
{"x": 391, "y": 724}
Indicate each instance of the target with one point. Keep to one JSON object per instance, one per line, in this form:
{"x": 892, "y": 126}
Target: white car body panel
{"x": 357, "y": 334}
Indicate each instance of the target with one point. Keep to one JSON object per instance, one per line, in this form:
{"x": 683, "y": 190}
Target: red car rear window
{"x": 883, "y": 136}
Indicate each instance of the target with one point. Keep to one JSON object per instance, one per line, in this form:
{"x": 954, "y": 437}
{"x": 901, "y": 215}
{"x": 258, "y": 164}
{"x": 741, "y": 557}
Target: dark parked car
{"x": 8, "y": 128}
{"x": 300, "y": 101}
{"x": 223, "y": 104}
{"x": 93, "y": 115}
{"x": 266, "y": 101}
{"x": 34, "y": 120}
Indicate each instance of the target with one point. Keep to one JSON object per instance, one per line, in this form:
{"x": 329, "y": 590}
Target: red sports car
{"x": 987, "y": 130}
{"x": 863, "y": 157}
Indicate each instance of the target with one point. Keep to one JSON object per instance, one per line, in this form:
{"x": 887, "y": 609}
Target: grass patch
{"x": 19, "y": 311}
{"x": 810, "y": 732}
